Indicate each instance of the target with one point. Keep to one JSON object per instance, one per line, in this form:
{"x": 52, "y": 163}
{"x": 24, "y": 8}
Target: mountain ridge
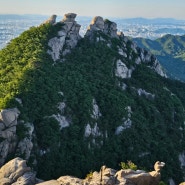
{"x": 93, "y": 104}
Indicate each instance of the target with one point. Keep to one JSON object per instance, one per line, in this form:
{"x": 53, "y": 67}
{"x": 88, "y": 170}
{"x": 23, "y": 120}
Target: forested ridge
{"x": 27, "y": 72}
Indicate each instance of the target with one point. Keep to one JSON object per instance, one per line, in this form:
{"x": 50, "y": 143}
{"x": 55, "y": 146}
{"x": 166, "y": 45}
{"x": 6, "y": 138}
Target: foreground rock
{"x": 108, "y": 176}
{"x": 10, "y": 142}
{"x": 16, "y": 172}
{"x": 105, "y": 26}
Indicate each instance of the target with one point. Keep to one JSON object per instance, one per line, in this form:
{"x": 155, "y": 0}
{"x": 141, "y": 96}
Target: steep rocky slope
{"x": 73, "y": 104}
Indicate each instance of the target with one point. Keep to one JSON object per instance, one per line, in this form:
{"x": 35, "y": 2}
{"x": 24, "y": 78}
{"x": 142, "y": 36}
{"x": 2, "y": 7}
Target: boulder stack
{"x": 105, "y": 26}
{"x": 108, "y": 176}
{"x": 51, "y": 20}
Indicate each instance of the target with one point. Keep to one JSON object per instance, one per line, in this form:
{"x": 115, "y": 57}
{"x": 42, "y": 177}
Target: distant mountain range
{"x": 170, "y": 51}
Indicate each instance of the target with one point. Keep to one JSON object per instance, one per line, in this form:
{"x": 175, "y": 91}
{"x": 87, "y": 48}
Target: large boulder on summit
{"x": 8, "y": 133}
{"x": 97, "y": 23}
{"x": 69, "y": 17}
{"x": 110, "y": 28}
{"x": 105, "y": 26}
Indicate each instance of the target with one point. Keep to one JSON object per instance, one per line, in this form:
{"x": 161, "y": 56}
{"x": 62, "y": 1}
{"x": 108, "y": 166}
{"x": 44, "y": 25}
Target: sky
{"x": 105, "y": 8}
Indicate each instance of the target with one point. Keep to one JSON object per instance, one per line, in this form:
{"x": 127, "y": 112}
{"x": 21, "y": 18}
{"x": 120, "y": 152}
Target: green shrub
{"x": 128, "y": 165}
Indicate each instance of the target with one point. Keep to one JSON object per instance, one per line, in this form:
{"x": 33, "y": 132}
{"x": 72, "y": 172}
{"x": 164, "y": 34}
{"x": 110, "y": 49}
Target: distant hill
{"x": 170, "y": 51}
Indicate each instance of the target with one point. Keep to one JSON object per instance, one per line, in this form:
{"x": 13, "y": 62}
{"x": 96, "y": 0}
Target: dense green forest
{"x": 157, "y": 131}
{"x": 170, "y": 51}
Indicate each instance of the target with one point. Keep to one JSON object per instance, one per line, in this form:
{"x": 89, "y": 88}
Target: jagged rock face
{"x": 96, "y": 112}
{"x": 122, "y": 71}
{"x": 66, "y": 39}
{"x": 146, "y": 94}
{"x": 108, "y": 176}
{"x": 146, "y": 57}
{"x": 70, "y": 17}
{"x": 8, "y": 122}
{"x": 16, "y": 172}
{"x": 94, "y": 131}
{"x": 9, "y": 117}
{"x": 25, "y": 145}
{"x": 127, "y": 122}
{"x": 111, "y": 29}
{"x": 158, "y": 68}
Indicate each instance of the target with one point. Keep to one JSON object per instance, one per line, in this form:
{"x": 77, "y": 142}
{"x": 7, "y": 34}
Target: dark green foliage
{"x": 128, "y": 165}
{"x": 88, "y": 73}
{"x": 21, "y": 131}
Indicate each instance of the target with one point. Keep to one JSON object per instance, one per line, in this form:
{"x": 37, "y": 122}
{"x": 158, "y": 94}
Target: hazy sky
{"x": 106, "y": 8}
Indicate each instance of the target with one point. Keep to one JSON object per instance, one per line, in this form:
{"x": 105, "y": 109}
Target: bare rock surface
{"x": 16, "y": 172}
{"x": 66, "y": 39}
{"x": 8, "y": 123}
{"x": 108, "y": 176}
{"x": 105, "y": 26}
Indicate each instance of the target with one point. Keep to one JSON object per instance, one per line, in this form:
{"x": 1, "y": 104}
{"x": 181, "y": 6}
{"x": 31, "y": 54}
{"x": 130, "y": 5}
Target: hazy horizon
{"x": 105, "y": 8}
{"x": 86, "y": 16}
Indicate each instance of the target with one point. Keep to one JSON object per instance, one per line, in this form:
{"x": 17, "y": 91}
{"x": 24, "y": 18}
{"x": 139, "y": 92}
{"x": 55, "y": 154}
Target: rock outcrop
{"x": 106, "y": 26}
{"x": 66, "y": 39}
{"x": 143, "y": 178}
{"x": 16, "y": 172}
{"x": 108, "y": 176}
{"x": 122, "y": 70}
{"x": 8, "y": 123}
{"x": 51, "y": 20}
{"x": 146, "y": 57}
{"x": 10, "y": 142}
{"x": 69, "y": 36}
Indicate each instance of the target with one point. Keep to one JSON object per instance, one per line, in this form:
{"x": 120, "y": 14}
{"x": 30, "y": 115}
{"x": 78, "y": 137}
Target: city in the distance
{"x": 12, "y": 26}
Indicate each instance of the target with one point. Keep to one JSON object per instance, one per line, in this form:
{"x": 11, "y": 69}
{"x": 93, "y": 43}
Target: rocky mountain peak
{"x": 66, "y": 39}
{"x": 17, "y": 172}
{"x": 104, "y": 104}
{"x": 69, "y": 17}
{"x": 99, "y": 24}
